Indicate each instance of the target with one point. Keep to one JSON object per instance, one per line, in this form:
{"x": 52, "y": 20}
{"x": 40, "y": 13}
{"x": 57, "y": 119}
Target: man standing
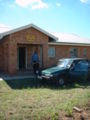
{"x": 35, "y": 62}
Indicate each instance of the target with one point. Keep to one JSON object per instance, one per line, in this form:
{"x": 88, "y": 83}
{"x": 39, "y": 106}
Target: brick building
{"x": 18, "y": 45}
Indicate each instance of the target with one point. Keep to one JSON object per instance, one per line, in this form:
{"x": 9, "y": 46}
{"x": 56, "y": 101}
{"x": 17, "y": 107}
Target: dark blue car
{"x": 66, "y": 70}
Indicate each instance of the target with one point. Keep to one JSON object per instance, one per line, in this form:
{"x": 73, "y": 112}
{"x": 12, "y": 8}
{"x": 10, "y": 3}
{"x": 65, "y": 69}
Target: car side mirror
{"x": 72, "y": 67}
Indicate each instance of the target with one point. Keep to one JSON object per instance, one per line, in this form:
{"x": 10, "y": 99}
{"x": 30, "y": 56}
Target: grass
{"x": 32, "y": 100}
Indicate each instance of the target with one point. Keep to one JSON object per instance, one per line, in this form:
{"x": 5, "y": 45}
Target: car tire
{"x": 61, "y": 81}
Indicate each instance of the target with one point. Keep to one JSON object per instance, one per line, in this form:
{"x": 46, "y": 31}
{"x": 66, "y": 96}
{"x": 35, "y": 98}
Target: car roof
{"x": 72, "y": 59}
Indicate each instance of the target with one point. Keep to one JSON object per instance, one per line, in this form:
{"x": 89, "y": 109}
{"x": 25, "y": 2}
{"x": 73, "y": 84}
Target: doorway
{"x": 22, "y": 58}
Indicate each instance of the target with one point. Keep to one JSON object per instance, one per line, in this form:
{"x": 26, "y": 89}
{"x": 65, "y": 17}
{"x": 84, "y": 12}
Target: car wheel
{"x": 61, "y": 81}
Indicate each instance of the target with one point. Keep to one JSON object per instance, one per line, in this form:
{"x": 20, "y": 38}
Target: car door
{"x": 80, "y": 71}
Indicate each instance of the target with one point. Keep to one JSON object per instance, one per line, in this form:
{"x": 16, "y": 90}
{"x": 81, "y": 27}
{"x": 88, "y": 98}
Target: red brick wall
{"x": 63, "y": 51}
{"x": 20, "y": 38}
{"x": 1, "y": 57}
{"x": 4, "y": 45}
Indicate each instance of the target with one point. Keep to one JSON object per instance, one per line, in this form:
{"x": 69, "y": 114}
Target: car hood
{"x": 53, "y": 70}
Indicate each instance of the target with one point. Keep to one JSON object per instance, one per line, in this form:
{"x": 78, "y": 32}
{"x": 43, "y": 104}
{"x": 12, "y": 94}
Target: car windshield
{"x": 64, "y": 63}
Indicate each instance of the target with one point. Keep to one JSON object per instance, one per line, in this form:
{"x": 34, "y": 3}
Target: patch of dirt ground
{"x": 84, "y": 114}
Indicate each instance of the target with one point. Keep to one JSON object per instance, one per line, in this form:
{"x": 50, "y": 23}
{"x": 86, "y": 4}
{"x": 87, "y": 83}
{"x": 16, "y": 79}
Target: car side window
{"x": 77, "y": 66}
{"x": 81, "y": 65}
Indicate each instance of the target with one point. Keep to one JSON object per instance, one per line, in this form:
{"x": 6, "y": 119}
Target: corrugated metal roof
{"x": 59, "y": 37}
{"x": 71, "y": 38}
{"x": 28, "y": 26}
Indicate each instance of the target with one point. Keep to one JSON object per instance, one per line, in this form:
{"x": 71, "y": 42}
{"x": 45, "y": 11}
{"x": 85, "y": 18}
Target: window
{"x": 73, "y": 52}
{"x": 84, "y": 52}
{"x": 51, "y": 52}
{"x": 82, "y": 65}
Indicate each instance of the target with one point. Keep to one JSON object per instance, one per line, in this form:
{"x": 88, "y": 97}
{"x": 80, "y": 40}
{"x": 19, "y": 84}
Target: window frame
{"x": 73, "y": 52}
{"x": 51, "y": 52}
{"x": 84, "y": 52}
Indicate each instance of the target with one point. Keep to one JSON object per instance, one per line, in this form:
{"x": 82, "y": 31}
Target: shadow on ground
{"x": 35, "y": 83}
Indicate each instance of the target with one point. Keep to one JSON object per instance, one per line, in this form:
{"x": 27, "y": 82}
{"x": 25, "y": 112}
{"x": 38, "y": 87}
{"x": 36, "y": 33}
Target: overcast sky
{"x": 66, "y": 16}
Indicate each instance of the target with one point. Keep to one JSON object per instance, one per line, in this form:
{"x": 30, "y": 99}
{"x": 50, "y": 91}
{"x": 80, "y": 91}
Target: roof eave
{"x": 69, "y": 43}
{"x": 29, "y": 26}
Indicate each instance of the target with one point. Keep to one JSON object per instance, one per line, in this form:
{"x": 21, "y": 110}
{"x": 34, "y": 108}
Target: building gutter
{"x": 71, "y": 44}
